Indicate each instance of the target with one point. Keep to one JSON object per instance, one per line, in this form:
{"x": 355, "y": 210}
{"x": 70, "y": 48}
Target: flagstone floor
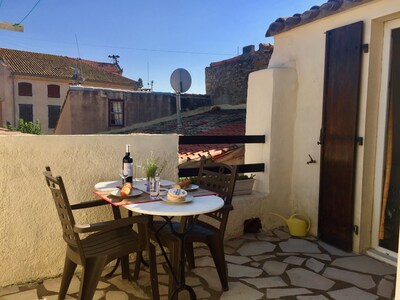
{"x": 268, "y": 265}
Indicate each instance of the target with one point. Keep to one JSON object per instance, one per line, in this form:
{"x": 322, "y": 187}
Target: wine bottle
{"x": 127, "y": 164}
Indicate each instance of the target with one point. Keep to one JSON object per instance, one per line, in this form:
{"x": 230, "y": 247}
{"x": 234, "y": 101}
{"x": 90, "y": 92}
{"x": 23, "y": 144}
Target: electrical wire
{"x": 33, "y": 8}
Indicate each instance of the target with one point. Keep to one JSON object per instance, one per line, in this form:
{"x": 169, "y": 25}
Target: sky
{"x": 152, "y": 37}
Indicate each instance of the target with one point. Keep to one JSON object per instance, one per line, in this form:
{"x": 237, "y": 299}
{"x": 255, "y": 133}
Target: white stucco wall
{"x": 302, "y": 50}
{"x": 31, "y": 242}
{"x": 271, "y": 110}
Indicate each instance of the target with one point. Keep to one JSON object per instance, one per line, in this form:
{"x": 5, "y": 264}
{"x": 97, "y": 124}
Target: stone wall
{"x": 86, "y": 110}
{"x": 226, "y": 81}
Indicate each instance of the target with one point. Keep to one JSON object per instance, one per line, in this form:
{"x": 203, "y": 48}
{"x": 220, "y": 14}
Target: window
{"x": 26, "y": 112}
{"x": 54, "y": 113}
{"x": 116, "y": 113}
{"x": 53, "y": 91}
{"x": 25, "y": 89}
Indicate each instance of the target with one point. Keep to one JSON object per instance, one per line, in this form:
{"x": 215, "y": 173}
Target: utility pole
{"x": 12, "y": 27}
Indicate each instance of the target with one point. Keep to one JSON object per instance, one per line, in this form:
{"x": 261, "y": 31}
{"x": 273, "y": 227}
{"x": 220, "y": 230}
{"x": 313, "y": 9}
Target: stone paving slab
{"x": 267, "y": 265}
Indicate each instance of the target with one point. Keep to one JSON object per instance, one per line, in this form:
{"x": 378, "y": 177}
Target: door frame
{"x": 381, "y": 138}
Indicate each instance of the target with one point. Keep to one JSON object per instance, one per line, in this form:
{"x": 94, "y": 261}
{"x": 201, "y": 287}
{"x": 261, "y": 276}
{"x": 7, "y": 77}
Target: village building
{"x": 330, "y": 111}
{"x": 33, "y": 86}
{"x": 226, "y": 80}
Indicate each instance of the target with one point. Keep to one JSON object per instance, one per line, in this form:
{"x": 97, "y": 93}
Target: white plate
{"x": 166, "y": 183}
{"x": 187, "y": 200}
{"x": 191, "y": 187}
{"x": 107, "y": 185}
{"x": 134, "y": 193}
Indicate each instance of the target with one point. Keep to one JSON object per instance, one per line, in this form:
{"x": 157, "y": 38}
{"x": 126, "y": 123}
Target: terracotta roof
{"x": 233, "y": 59}
{"x": 314, "y": 13}
{"x": 55, "y": 66}
{"x": 108, "y": 67}
{"x": 212, "y": 122}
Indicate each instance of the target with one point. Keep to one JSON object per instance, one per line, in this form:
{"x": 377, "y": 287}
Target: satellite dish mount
{"x": 180, "y": 82}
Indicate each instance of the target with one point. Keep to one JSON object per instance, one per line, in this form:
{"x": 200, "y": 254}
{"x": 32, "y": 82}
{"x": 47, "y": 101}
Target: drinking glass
{"x": 138, "y": 171}
{"x": 154, "y": 187}
{"x": 123, "y": 176}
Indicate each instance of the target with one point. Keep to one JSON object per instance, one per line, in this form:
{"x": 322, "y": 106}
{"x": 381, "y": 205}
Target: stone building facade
{"x": 91, "y": 110}
{"x": 226, "y": 81}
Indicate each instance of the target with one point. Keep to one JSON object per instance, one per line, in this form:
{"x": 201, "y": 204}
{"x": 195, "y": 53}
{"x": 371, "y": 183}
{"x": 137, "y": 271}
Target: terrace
{"x": 266, "y": 265}
{"x": 262, "y": 266}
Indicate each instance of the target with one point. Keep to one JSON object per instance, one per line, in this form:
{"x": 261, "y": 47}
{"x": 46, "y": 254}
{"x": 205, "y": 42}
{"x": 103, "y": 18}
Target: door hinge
{"x": 355, "y": 229}
{"x": 365, "y": 48}
{"x": 360, "y": 140}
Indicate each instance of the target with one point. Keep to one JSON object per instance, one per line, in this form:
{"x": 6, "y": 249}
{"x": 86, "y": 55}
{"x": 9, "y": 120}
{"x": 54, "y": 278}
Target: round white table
{"x": 199, "y": 205}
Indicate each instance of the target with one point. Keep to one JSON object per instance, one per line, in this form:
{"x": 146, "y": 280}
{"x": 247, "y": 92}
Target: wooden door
{"x": 339, "y": 135}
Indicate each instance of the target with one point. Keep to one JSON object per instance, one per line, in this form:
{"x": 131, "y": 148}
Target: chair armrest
{"x": 87, "y": 204}
{"x": 110, "y": 225}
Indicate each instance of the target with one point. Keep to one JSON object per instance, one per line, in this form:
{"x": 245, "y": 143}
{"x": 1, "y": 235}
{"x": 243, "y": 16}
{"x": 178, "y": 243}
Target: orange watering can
{"x": 297, "y": 226}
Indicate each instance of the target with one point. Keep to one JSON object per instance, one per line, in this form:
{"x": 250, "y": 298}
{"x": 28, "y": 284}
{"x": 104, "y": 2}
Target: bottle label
{"x": 128, "y": 169}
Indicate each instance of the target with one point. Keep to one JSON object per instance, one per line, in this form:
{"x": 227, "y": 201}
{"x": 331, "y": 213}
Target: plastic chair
{"x": 208, "y": 229}
{"x": 106, "y": 241}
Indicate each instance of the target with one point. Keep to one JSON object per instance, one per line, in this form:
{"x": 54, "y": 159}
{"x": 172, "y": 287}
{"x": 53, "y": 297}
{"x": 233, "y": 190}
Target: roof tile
{"x": 49, "y": 65}
{"x": 314, "y": 13}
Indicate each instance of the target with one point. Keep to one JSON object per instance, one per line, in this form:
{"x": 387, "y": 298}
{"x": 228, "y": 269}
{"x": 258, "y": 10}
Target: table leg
{"x": 181, "y": 281}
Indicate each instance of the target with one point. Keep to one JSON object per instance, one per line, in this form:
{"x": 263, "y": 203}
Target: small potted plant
{"x": 153, "y": 168}
{"x": 244, "y": 184}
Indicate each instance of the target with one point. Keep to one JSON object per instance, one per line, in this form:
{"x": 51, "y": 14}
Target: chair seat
{"x": 111, "y": 243}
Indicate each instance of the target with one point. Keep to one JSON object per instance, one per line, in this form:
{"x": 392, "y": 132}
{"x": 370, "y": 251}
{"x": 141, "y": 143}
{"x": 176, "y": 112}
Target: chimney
{"x": 248, "y": 49}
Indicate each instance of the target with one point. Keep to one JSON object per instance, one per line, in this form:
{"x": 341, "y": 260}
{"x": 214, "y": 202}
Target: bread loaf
{"x": 185, "y": 183}
{"x": 126, "y": 189}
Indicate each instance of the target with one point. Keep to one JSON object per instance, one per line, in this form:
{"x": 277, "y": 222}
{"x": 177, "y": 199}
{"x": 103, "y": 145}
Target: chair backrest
{"x": 64, "y": 211}
{"x": 219, "y": 178}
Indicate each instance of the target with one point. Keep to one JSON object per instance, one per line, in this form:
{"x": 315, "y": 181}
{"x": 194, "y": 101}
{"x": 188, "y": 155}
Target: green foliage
{"x": 153, "y": 166}
{"x": 244, "y": 177}
{"x": 26, "y": 127}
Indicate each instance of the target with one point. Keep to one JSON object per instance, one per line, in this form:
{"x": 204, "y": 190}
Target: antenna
{"x": 148, "y": 84}
{"x": 80, "y": 70}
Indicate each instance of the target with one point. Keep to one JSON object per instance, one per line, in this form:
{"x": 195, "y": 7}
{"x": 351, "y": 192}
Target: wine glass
{"x": 138, "y": 171}
{"x": 123, "y": 176}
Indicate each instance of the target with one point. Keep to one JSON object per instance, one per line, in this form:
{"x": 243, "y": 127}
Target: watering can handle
{"x": 307, "y": 219}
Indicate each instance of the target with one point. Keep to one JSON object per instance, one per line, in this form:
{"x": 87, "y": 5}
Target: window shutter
{"x": 53, "y": 91}
{"x": 53, "y": 114}
{"x": 26, "y": 112}
{"x": 25, "y": 89}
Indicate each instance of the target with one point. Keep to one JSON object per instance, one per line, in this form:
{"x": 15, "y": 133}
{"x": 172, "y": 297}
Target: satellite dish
{"x": 181, "y": 80}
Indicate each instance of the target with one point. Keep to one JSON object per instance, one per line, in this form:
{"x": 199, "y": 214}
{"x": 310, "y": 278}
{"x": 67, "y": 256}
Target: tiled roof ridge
{"x": 23, "y": 62}
{"x": 263, "y": 47}
{"x": 314, "y": 13}
{"x": 109, "y": 67}
{"x": 229, "y": 60}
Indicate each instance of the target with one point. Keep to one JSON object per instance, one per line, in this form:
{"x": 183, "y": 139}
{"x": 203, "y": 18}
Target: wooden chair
{"x": 208, "y": 229}
{"x": 106, "y": 241}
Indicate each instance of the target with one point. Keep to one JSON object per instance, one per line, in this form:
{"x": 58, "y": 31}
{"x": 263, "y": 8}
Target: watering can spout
{"x": 297, "y": 226}
{"x": 278, "y": 215}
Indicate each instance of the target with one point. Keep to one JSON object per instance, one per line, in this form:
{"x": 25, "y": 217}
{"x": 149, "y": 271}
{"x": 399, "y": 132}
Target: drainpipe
{"x": 14, "y": 104}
